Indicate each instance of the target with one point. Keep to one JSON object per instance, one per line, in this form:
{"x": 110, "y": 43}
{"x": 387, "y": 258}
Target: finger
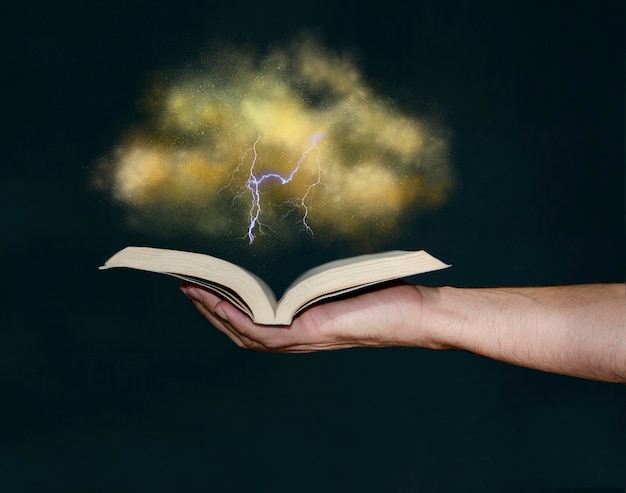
{"x": 227, "y": 318}
{"x": 219, "y": 324}
{"x": 205, "y": 302}
{"x": 206, "y": 297}
{"x": 245, "y": 333}
{"x": 256, "y": 336}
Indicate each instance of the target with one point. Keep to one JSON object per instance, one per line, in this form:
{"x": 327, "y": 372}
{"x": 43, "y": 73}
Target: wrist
{"x": 440, "y": 323}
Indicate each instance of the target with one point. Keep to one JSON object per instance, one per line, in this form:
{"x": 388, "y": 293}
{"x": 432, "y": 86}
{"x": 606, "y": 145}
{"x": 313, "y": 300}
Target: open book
{"x": 253, "y": 296}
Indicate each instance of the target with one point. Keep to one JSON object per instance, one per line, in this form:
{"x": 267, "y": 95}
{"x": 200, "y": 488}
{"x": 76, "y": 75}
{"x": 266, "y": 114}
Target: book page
{"x": 253, "y": 293}
{"x": 345, "y": 275}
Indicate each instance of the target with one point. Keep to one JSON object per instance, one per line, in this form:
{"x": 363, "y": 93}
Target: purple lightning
{"x": 254, "y": 182}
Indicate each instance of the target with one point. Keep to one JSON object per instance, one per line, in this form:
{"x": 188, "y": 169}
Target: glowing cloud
{"x": 293, "y": 141}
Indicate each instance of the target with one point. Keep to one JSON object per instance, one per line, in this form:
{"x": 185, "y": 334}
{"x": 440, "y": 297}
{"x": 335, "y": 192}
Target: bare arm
{"x": 573, "y": 330}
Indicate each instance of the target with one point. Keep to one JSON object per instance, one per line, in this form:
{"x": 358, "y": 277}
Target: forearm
{"x": 573, "y": 330}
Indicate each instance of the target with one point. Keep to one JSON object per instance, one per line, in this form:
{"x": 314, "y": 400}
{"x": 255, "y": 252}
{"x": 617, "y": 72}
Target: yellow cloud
{"x": 356, "y": 164}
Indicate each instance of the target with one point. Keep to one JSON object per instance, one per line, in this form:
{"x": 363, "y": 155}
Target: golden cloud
{"x": 358, "y": 166}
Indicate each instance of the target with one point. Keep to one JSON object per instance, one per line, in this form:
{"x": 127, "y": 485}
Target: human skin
{"x": 577, "y": 330}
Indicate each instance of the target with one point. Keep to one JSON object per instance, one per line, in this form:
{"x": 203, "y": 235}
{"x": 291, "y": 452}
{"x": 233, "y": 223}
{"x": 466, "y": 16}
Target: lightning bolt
{"x": 254, "y": 182}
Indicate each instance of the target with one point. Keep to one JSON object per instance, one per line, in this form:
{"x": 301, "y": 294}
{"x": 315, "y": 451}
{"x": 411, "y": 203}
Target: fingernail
{"x": 221, "y": 313}
{"x": 191, "y": 292}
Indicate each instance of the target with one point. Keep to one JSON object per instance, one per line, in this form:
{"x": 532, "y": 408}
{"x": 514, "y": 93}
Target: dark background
{"x": 112, "y": 381}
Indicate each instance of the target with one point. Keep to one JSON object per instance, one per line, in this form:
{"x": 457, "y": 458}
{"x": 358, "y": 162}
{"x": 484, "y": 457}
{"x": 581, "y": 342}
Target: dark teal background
{"x": 112, "y": 381}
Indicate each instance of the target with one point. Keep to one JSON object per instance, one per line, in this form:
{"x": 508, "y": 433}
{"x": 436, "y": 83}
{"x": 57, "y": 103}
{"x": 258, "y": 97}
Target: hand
{"x": 389, "y": 315}
{"x": 574, "y": 330}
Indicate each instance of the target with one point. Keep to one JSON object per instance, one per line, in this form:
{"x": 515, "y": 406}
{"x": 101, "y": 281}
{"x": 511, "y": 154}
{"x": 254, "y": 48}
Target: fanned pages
{"x": 252, "y": 295}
